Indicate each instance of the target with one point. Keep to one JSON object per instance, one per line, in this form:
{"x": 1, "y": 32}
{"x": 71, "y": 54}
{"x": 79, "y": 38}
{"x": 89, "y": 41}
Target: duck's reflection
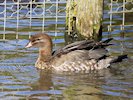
{"x": 44, "y": 81}
{"x": 48, "y": 79}
{"x": 75, "y": 85}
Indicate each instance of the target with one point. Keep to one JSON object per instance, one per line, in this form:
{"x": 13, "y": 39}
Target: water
{"x": 19, "y": 79}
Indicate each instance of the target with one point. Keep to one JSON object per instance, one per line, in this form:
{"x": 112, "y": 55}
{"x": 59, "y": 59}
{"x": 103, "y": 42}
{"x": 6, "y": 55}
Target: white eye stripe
{"x": 41, "y": 40}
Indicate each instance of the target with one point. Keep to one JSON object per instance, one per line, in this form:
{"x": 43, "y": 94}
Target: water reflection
{"x": 44, "y": 81}
{"x": 28, "y": 82}
{"x": 19, "y": 79}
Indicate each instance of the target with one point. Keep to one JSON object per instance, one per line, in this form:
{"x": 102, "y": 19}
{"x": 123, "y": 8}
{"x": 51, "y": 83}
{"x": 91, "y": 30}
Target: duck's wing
{"x": 73, "y": 46}
{"x": 82, "y": 45}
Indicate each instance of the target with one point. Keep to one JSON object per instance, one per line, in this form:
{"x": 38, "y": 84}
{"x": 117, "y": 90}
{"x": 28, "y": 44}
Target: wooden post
{"x": 84, "y": 18}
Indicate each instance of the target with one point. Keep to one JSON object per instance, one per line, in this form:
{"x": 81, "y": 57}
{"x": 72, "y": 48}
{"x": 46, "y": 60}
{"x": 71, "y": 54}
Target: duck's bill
{"x": 28, "y": 45}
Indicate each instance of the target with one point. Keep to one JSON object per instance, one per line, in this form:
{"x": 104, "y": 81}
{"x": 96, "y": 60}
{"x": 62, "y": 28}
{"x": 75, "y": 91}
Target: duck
{"x": 85, "y": 55}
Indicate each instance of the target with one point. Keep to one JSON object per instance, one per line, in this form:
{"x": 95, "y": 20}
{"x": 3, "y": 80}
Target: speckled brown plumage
{"x": 79, "y": 56}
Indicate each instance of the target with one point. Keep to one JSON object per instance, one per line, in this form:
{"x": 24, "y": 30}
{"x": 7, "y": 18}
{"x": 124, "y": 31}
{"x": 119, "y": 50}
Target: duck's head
{"x": 40, "y": 40}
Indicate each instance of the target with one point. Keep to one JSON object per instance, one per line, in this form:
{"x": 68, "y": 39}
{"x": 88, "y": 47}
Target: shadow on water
{"x": 19, "y": 79}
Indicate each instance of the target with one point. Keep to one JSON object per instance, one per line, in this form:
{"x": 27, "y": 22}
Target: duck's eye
{"x": 38, "y": 39}
{"x": 35, "y": 40}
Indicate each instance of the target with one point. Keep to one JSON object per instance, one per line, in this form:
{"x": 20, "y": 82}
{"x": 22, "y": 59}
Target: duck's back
{"x": 83, "y": 56}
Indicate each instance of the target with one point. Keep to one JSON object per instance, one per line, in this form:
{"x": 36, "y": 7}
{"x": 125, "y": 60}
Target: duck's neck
{"x": 45, "y": 53}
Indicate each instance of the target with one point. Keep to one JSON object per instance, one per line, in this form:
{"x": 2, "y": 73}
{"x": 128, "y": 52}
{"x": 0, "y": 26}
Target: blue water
{"x": 19, "y": 79}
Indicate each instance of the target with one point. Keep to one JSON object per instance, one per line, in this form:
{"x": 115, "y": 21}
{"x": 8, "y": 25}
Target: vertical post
{"x": 69, "y": 21}
{"x": 43, "y": 23}
{"x": 30, "y": 17}
{"x": 17, "y": 19}
{"x": 111, "y": 17}
{"x": 4, "y": 34}
{"x": 56, "y": 18}
{"x": 123, "y": 19}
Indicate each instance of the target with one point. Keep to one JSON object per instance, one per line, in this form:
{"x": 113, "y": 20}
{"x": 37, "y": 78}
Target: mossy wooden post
{"x": 84, "y": 18}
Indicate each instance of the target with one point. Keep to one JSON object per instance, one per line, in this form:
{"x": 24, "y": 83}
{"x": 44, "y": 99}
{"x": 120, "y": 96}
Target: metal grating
{"x": 25, "y": 11}
{"x": 121, "y": 8}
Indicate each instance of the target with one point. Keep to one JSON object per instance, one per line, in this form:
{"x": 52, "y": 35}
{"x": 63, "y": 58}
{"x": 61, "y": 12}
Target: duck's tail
{"x": 119, "y": 58}
{"x": 106, "y": 62}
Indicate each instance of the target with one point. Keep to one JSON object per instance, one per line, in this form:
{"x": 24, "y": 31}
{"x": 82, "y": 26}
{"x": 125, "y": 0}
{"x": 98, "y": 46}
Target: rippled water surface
{"x": 19, "y": 79}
